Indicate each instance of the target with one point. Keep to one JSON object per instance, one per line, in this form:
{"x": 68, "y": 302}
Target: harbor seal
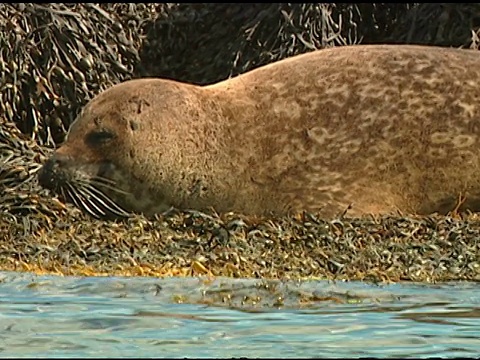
{"x": 368, "y": 128}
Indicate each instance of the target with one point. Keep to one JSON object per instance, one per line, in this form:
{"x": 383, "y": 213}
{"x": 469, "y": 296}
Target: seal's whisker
{"x": 90, "y": 199}
{"x": 76, "y": 196}
{"x": 77, "y": 200}
{"x": 105, "y": 201}
{"x": 69, "y": 193}
{"x": 112, "y": 205}
{"x": 61, "y": 191}
{"x": 103, "y": 180}
{"x": 110, "y": 185}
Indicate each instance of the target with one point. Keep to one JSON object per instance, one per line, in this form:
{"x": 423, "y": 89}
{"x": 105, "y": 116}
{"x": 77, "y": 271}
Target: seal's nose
{"x": 48, "y": 174}
{"x": 45, "y": 174}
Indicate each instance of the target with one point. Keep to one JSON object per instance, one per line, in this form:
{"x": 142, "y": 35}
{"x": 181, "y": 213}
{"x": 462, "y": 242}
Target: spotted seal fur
{"x": 369, "y": 128}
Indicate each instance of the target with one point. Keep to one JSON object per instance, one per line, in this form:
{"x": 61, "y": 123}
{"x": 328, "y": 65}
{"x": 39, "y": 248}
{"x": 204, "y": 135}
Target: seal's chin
{"x": 95, "y": 194}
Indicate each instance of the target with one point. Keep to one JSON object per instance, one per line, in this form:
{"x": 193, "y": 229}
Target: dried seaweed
{"x": 379, "y": 249}
{"x": 441, "y": 24}
{"x": 216, "y": 41}
{"x": 55, "y": 57}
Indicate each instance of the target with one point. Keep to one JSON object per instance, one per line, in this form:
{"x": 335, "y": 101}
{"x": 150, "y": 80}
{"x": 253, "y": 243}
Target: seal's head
{"x": 102, "y": 167}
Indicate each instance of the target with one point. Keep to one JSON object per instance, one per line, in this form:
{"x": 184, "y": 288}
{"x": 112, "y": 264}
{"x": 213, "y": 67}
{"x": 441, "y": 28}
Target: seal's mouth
{"x": 88, "y": 193}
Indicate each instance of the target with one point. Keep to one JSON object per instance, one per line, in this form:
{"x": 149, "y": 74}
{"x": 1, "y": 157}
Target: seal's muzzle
{"x": 50, "y": 176}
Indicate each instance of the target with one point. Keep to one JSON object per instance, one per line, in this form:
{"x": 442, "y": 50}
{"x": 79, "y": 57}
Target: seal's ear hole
{"x": 134, "y": 125}
{"x": 99, "y": 137}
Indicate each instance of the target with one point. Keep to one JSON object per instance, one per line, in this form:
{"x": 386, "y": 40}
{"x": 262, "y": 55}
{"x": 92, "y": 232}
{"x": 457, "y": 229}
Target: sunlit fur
{"x": 368, "y": 128}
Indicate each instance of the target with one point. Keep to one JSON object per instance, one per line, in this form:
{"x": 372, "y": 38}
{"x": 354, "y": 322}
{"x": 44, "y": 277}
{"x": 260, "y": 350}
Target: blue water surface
{"x": 52, "y": 316}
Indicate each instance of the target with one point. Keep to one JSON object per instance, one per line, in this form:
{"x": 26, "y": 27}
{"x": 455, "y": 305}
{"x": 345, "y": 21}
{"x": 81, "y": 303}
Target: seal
{"x": 368, "y": 128}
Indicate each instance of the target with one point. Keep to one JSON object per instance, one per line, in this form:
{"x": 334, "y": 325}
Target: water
{"x": 49, "y": 316}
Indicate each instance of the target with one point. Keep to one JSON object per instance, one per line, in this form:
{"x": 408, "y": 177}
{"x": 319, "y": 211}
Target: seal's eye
{"x": 99, "y": 137}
